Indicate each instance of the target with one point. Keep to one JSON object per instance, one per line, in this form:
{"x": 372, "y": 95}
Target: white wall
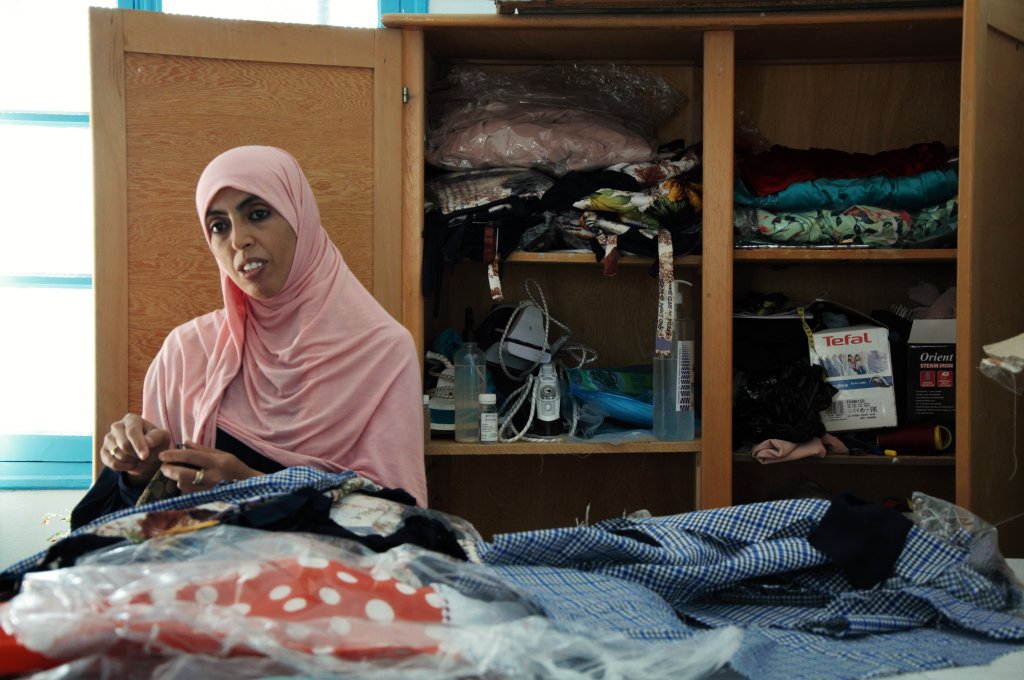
{"x": 22, "y": 532}
{"x": 461, "y": 7}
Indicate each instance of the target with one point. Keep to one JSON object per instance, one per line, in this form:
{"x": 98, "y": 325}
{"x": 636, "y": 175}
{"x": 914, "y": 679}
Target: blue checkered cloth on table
{"x": 752, "y": 566}
{"x": 749, "y": 565}
{"x": 286, "y": 481}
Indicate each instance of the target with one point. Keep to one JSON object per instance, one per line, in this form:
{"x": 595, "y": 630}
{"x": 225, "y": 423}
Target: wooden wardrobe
{"x": 170, "y": 92}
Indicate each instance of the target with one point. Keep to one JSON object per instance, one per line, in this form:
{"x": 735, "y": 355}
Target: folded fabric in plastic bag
{"x": 555, "y": 119}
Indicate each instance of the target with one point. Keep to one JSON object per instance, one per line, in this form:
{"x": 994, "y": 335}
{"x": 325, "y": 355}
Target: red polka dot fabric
{"x": 310, "y": 605}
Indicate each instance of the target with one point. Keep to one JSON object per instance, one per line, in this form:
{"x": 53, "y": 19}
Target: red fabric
{"x": 311, "y": 605}
{"x": 490, "y": 243}
{"x": 774, "y": 170}
{"x": 305, "y": 605}
{"x": 16, "y": 659}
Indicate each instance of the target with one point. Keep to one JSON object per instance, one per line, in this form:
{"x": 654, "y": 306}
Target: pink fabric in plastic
{"x": 319, "y": 375}
{"x": 553, "y": 139}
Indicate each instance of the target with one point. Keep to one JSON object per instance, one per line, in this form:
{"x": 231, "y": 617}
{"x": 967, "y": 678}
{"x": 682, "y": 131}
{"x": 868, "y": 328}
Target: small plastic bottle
{"x": 426, "y": 419}
{"x": 488, "y": 418}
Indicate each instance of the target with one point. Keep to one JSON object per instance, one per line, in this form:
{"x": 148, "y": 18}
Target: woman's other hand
{"x": 132, "y": 446}
{"x": 197, "y": 468}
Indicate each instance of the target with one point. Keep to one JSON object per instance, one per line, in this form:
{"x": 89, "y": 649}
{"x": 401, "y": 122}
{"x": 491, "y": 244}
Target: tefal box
{"x": 858, "y": 363}
{"x": 931, "y": 377}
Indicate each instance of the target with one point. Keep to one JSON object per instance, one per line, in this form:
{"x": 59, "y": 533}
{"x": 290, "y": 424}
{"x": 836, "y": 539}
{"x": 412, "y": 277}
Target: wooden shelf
{"x": 558, "y": 448}
{"x": 861, "y": 459}
{"x": 782, "y": 254}
{"x": 587, "y": 258}
{"x": 895, "y": 255}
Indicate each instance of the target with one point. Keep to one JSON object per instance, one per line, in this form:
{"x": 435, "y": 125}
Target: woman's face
{"x": 252, "y": 242}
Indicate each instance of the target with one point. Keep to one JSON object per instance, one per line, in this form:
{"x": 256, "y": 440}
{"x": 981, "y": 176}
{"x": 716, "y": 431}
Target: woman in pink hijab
{"x": 302, "y": 366}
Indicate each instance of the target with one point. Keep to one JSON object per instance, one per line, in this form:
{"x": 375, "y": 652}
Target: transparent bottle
{"x": 470, "y": 382}
{"x": 673, "y": 375}
{"x": 488, "y": 418}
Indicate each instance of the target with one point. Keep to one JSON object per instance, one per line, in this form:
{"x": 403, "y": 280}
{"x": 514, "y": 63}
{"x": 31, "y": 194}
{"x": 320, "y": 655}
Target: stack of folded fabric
{"x": 896, "y": 198}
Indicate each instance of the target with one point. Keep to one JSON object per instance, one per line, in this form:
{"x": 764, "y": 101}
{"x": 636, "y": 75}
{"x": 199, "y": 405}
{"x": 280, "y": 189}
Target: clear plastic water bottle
{"x": 470, "y": 382}
{"x": 673, "y": 376}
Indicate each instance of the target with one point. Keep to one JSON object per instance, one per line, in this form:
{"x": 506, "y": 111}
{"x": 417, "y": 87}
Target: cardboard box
{"x": 858, "y": 363}
{"x": 931, "y": 372}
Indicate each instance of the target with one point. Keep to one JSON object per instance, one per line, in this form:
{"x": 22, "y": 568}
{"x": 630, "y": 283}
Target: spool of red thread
{"x": 916, "y": 439}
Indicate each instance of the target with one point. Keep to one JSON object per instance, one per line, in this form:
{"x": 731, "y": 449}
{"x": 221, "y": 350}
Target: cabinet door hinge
{"x": 405, "y": 95}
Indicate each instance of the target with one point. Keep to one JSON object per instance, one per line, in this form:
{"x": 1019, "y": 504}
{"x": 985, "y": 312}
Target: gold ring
{"x": 199, "y": 477}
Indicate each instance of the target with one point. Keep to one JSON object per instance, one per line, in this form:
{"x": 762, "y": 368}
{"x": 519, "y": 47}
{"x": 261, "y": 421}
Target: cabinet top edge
{"x": 695, "y": 21}
{"x": 848, "y": 36}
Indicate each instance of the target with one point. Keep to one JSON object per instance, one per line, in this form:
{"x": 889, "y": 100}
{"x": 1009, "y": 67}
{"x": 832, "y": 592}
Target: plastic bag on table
{"x": 205, "y": 604}
{"x": 963, "y": 528}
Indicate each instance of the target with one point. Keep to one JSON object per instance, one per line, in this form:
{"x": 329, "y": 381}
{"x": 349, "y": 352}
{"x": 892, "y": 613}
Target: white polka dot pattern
{"x": 341, "y": 626}
{"x": 309, "y": 604}
{"x": 295, "y": 604}
{"x": 347, "y": 577}
{"x": 280, "y": 592}
{"x": 379, "y": 611}
{"x": 206, "y": 595}
{"x": 329, "y": 596}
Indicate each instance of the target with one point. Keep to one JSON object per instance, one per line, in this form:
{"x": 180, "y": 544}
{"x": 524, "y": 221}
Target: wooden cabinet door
{"x": 990, "y": 433}
{"x": 171, "y": 92}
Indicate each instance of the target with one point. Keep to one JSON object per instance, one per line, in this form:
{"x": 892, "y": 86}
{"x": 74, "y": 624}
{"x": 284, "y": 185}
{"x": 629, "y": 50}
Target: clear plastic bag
{"x": 1008, "y": 372}
{"x": 980, "y": 539}
{"x": 624, "y": 395}
{"x": 556, "y": 119}
{"x": 229, "y": 601}
{"x": 1004, "y": 363}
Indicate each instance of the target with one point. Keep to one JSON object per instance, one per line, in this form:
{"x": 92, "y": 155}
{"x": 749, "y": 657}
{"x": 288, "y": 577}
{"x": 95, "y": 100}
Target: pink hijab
{"x": 319, "y": 375}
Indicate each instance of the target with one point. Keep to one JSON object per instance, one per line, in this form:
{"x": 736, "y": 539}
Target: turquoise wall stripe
{"x": 403, "y": 6}
{"x": 45, "y": 448}
{"x": 45, "y": 461}
{"x": 40, "y": 476}
{"x": 48, "y": 119}
{"x": 151, "y": 5}
{"x": 43, "y": 281}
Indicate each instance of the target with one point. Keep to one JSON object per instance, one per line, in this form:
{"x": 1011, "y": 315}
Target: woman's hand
{"x": 132, "y": 446}
{"x": 196, "y": 468}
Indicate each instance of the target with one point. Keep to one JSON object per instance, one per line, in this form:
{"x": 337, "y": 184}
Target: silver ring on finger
{"x": 199, "y": 477}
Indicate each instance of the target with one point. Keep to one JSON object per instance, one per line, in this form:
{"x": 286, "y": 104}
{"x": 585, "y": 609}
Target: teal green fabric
{"x": 905, "y": 193}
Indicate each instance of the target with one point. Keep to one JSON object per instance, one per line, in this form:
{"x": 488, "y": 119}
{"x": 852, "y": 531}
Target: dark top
{"x": 112, "y": 492}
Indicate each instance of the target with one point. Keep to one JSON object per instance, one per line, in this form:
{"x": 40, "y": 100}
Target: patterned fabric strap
{"x": 663, "y": 341}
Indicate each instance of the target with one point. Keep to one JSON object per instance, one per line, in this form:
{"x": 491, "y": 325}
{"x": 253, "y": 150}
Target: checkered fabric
{"x": 768, "y": 653}
{"x": 749, "y": 566}
{"x": 752, "y": 566}
{"x": 286, "y": 481}
{"x": 580, "y": 602}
